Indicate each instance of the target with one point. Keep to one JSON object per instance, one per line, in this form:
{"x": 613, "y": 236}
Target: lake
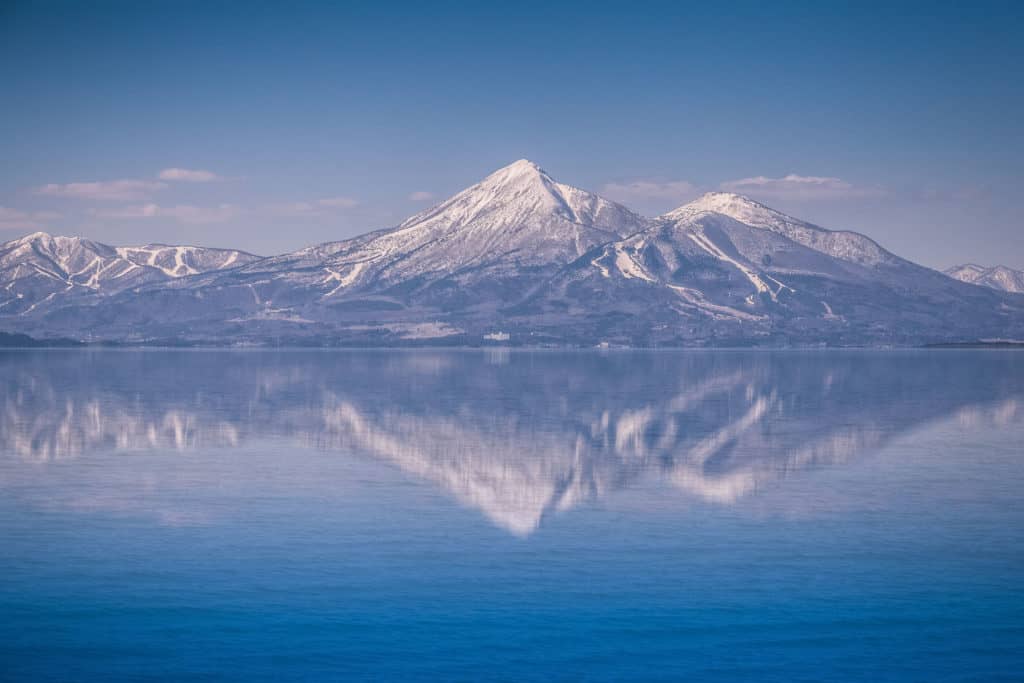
{"x": 512, "y": 515}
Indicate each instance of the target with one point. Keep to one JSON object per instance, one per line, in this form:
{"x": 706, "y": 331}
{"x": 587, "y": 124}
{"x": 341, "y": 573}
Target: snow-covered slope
{"x": 996, "y": 277}
{"x": 179, "y": 261}
{"x": 44, "y": 271}
{"x": 703, "y": 264}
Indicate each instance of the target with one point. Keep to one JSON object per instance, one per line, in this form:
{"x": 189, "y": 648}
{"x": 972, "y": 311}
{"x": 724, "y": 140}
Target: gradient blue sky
{"x": 321, "y": 121}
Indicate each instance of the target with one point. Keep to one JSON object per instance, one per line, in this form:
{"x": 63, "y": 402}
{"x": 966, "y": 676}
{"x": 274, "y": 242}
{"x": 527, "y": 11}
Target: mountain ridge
{"x": 38, "y": 267}
{"x": 998, "y": 277}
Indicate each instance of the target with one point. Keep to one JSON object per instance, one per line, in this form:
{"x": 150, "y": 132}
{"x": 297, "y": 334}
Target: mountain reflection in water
{"x": 518, "y": 436}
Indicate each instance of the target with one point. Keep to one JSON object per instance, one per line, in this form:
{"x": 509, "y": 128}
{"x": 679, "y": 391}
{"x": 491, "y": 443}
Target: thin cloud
{"x": 183, "y": 213}
{"x": 650, "y": 195}
{"x": 16, "y": 219}
{"x": 646, "y": 189}
{"x": 128, "y": 189}
{"x": 798, "y": 187}
{"x": 421, "y": 196}
{"x": 107, "y": 190}
{"x": 966, "y": 193}
{"x": 317, "y": 207}
{"x": 189, "y": 175}
{"x": 338, "y": 202}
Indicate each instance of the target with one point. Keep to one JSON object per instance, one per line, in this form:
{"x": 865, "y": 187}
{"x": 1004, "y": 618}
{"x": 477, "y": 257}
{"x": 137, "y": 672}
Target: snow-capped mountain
{"x": 479, "y": 246}
{"x": 44, "y": 271}
{"x": 727, "y": 270}
{"x": 996, "y": 277}
{"x": 517, "y": 212}
{"x": 522, "y": 255}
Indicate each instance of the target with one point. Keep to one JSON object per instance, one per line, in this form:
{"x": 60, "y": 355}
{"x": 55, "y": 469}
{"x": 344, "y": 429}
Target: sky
{"x": 272, "y": 126}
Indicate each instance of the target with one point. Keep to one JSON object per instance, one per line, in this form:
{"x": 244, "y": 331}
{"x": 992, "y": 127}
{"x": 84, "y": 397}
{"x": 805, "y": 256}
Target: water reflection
{"x": 518, "y": 436}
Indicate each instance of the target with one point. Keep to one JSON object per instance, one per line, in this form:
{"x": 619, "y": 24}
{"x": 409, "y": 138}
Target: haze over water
{"x": 456, "y": 515}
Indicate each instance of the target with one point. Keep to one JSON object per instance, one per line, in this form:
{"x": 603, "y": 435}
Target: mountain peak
{"x": 728, "y": 203}
{"x": 523, "y": 192}
{"x": 521, "y": 171}
{"x": 966, "y": 267}
{"x": 521, "y": 166}
{"x": 46, "y": 241}
{"x": 517, "y": 212}
{"x": 38, "y": 235}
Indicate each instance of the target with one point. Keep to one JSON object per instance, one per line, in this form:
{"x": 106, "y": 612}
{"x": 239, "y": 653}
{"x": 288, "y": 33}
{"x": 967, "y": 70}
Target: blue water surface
{"x": 514, "y": 516}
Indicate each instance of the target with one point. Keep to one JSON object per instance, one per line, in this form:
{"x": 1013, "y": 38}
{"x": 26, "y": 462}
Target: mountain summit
{"x": 523, "y": 194}
{"x": 517, "y": 257}
{"x": 518, "y": 212}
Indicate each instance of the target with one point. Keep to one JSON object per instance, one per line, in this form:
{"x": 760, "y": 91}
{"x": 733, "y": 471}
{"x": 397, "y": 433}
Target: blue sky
{"x": 304, "y": 122}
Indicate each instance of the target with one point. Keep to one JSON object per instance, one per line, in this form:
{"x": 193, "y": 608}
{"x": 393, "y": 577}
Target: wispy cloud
{"x": 189, "y": 175}
{"x": 965, "y": 193}
{"x": 16, "y": 219}
{"x": 799, "y": 187}
{"x": 106, "y": 190}
{"x": 338, "y": 202}
{"x": 421, "y": 196}
{"x": 128, "y": 189}
{"x": 672, "y": 191}
{"x": 317, "y": 207}
{"x": 183, "y": 213}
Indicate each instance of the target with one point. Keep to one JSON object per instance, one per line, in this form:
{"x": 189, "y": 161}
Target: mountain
{"x": 479, "y": 246}
{"x": 996, "y": 277}
{"x": 519, "y": 214}
{"x": 840, "y": 244}
{"x": 45, "y": 271}
{"x": 726, "y": 270}
{"x": 522, "y": 258}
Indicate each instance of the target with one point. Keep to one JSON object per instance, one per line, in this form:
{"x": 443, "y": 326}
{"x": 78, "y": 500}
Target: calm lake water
{"x": 432, "y": 515}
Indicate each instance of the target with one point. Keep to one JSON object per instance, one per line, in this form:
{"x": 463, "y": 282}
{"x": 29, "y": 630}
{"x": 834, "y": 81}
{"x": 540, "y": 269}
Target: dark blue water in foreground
{"x": 709, "y": 516}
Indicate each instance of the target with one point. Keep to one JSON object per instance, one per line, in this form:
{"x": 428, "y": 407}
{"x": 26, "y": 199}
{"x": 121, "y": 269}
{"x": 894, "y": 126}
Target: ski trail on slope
{"x": 707, "y": 245}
